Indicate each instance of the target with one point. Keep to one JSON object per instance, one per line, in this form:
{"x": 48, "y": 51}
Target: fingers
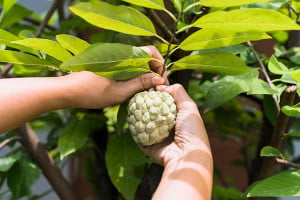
{"x": 157, "y": 64}
{"x": 143, "y": 82}
{"x": 181, "y": 97}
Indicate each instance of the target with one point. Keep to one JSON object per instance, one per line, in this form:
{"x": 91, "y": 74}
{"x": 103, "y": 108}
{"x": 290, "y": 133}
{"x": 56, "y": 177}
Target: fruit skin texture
{"x": 151, "y": 116}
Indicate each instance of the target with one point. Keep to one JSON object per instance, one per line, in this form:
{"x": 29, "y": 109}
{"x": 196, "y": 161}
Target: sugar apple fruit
{"x": 151, "y": 116}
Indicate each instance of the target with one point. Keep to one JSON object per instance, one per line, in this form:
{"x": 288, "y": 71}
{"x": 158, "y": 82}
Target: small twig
{"x": 40, "y": 155}
{"x": 264, "y": 71}
{"x": 287, "y": 163}
{"x": 4, "y": 72}
{"x": 9, "y": 140}
{"x": 49, "y": 14}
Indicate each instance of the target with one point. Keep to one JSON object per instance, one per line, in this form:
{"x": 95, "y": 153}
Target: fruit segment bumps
{"x": 151, "y": 116}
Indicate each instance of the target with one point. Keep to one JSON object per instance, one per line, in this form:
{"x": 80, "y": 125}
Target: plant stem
{"x": 264, "y": 71}
{"x": 287, "y": 163}
{"x": 37, "y": 151}
{"x": 279, "y": 130}
{"x": 9, "y": 140}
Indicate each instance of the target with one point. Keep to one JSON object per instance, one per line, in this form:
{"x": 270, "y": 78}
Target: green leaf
{"x": 284, "y": 184}
{"x": 7, "y": 162}
{"x": 277, "y": 67}
{"x": 212, "y": 38}
{"x": 110, "y": 60}
{"x": 74, "y": 136}
{"x": 7, "y": 4}
{"x": 291, "y": 111}
{"x": 6, "y": 38}
{"x": 122, "y": 116}
{"x": 125, "y": 163}
{"x": 21, "y": 58}
{"x": 21, "y": 177}
{"x": 118, "y": 18}
{"x": 15, "y": 14}
{"x": 227, "y": 88}
{"x": 269, "y": 151}
{"x": 228, "y": 3}
{"x": 293, "y": 133}
{"x": 212, "y": 62}
{"x": 49, "y": 47}
{"x": 155, "y": 4}
{"x": 252, "y": 19}
{"x": 72, "y": 43}
{"x": 259, "y": 86}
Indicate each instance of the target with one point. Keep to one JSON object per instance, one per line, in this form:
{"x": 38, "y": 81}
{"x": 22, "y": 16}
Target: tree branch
{"x": 287, "y": 163}
{"x": 4, "y": 72}
{"x": 37, "y": 151}
{"x": 9, "y": 140}
{"x": 279, "y": 130}
{"x": 264, "y": 71}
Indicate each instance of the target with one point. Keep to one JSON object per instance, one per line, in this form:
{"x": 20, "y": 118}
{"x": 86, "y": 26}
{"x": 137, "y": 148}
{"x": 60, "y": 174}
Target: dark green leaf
{"x": 121, "y": 117}
{"x": 125, "y": 163}
{"x": 21, "y": 177}
{"x": 269, "y": 151}
{"x": 213, "y": 38}
{"x": 111, "y": 60}
{"x": 212, "y": 62}
{"x": 7, "y": 162}
{"x": 228, "y": 3}
{"x": 251, "y": 19}
{"x": 118, "y": 18}
{"x": 49, "y": 47}
{"x": 21, "y": 58}
{"x": 293, "y": 133}
{"x": 72, "y": 43}
{"x": 283, "y": 184}
{"x": 15, "y": 14}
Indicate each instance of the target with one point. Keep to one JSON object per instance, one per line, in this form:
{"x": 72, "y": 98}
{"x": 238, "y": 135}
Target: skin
{"x": 186, "y": 157}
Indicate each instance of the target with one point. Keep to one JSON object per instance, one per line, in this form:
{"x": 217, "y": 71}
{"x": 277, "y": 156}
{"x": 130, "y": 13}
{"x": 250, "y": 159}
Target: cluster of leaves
{"x": 212, "y": 30}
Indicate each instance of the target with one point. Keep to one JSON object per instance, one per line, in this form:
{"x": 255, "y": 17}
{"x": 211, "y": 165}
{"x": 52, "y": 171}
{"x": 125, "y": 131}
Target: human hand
{"x": 98, "y": 92}
{"x": 190, "y": 137}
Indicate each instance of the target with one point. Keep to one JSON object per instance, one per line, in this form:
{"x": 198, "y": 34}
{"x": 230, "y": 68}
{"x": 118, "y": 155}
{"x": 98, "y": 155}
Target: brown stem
{"x": 40, "y": 155}
{"x": 49, "y": 14}
{"x": 4, "y": 72}
{"x": 9, "y": 140}
{"x": 287, "y": 163}
{"x": 279, "y": 130}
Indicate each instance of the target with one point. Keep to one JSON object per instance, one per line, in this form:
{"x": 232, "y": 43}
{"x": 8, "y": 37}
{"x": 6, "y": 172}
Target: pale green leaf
{"x": 283, "y": 184}
{"x": 291, "y": 110}
{"x": 6, "y": 38}
{"x": 251, "y": 19}
{"x": 212, "y": 62}
{"x": 15, "y": 14}
{"x": 125, "y": 163}
{"x": 295, "y": 74}
{"x": 49, "y": 47}
{"x": 21, "y": 177}
{"x": 72, "y": 43}
{"x": 259, "y": 86}
{"x": 277, "y": 67}
{"x": 7, "y": 4}
{"x": 7, "y": 162}
{"x": 110, "y": 59}
{"x": 21, "y": 58}
{"x": 155, "y": 4}
{"x": 214, "y": 38}
{"x": 269, "y": 151}
{"x": 228, "y": 3}
{"x": 118, "y": 18}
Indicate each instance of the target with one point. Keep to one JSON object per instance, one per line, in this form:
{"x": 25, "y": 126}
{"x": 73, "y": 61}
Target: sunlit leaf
{"x": 7, "y": 162}
{"x": 284, "y": 184}
{"x": 7, "y": 4}
{"x": 72, "y": 43}
{"x": 49, "y": 47}
{"x": 125, "y": 163}
{"x": 291, "y": 110}
{"x": 155, "y": 4}
{"x": 212, "y": 62}
{"x": 21, "y": 58}
{"x": 259, "y": 86}
{"x": 118, "y": 18}
{"x": 214, "y": 38}
{"x": 110, "y": 59}
{"x": 251, "y": 19}
{"x": 277, "y": 67}
{"x": 228, "y": 3}
{"x": 15, "y": 14}
{"x": 269, "y": 151}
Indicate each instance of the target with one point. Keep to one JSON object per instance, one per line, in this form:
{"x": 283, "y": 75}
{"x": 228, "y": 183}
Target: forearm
{"x": 23, "y": 99}
{"x": 190, "y": 178}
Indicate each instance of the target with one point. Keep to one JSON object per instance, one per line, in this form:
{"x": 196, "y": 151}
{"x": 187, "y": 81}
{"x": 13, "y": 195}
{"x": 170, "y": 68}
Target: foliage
{"x": 240, "y": 88}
